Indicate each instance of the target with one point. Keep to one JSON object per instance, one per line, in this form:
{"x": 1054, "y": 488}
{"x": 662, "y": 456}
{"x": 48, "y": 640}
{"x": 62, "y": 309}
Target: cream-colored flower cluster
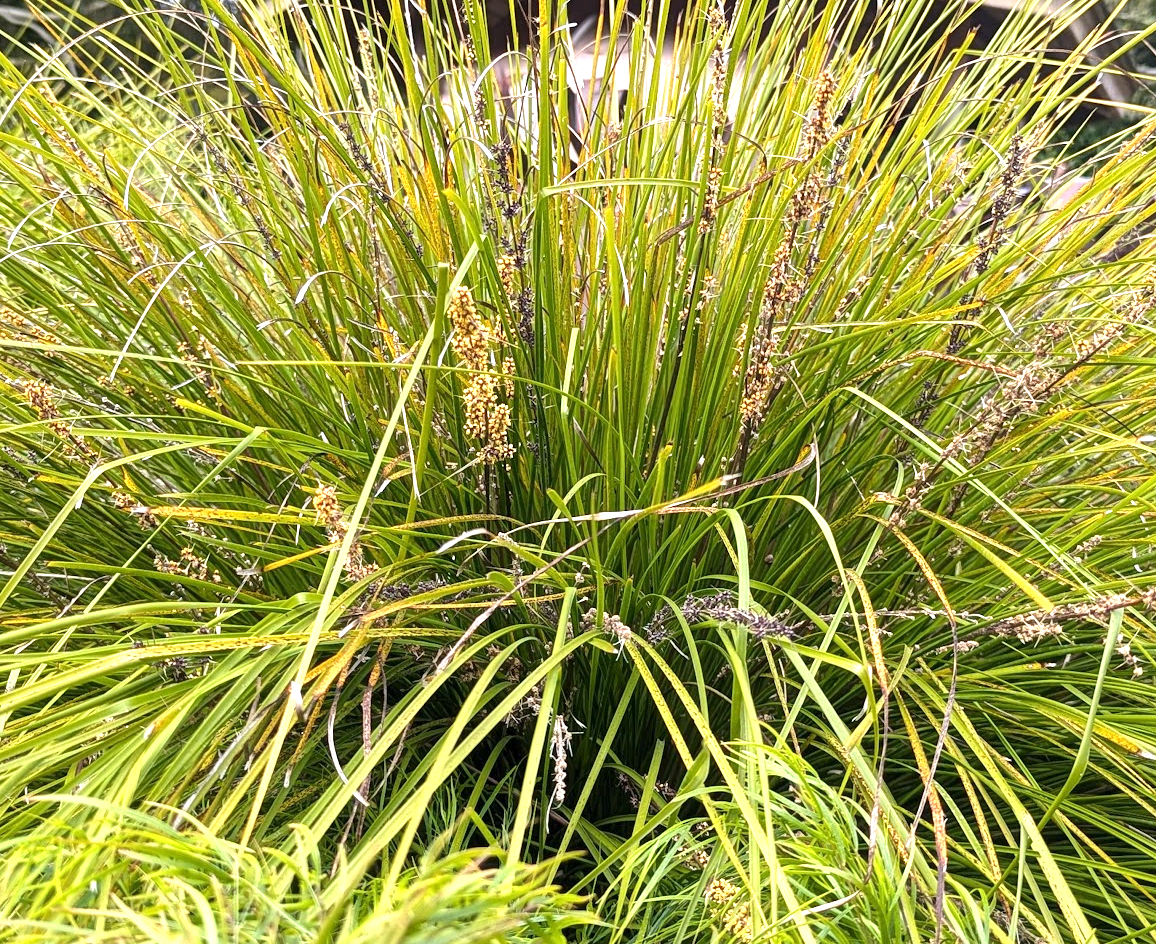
{"x": 487, "y": 412}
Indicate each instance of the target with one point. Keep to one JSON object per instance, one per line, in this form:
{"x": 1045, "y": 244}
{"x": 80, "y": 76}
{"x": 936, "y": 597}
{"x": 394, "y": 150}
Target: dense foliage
{"x": 457, "y": 502}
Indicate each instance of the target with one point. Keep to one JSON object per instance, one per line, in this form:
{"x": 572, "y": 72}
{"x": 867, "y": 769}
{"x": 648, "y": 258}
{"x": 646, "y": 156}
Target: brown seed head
{"x": 327, "y": 506}
{"x": 42, "y": 399}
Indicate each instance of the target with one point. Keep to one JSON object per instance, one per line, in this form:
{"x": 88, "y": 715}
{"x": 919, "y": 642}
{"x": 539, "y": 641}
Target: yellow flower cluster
{"x": 330, "y": 513}
{"x": 764, "y": 371}
{"x": 16, "y": 327}
{"x": 725, "y": 900}
{"x": 487, "y": 417}
{"x": 190, "y": 564}
{"x": 42, "y": 399}
{"x": 507, "y": 271}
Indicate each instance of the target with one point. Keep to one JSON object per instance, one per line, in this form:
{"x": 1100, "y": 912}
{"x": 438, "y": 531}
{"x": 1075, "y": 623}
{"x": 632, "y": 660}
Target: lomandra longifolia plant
{"x": 687, "y": 479}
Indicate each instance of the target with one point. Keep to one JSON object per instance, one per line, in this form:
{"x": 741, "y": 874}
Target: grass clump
{"x": 453, "y": 501}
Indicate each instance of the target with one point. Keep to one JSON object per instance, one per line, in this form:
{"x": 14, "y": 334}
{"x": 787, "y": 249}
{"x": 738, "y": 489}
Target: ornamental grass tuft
{"x": 690, "y": 479}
